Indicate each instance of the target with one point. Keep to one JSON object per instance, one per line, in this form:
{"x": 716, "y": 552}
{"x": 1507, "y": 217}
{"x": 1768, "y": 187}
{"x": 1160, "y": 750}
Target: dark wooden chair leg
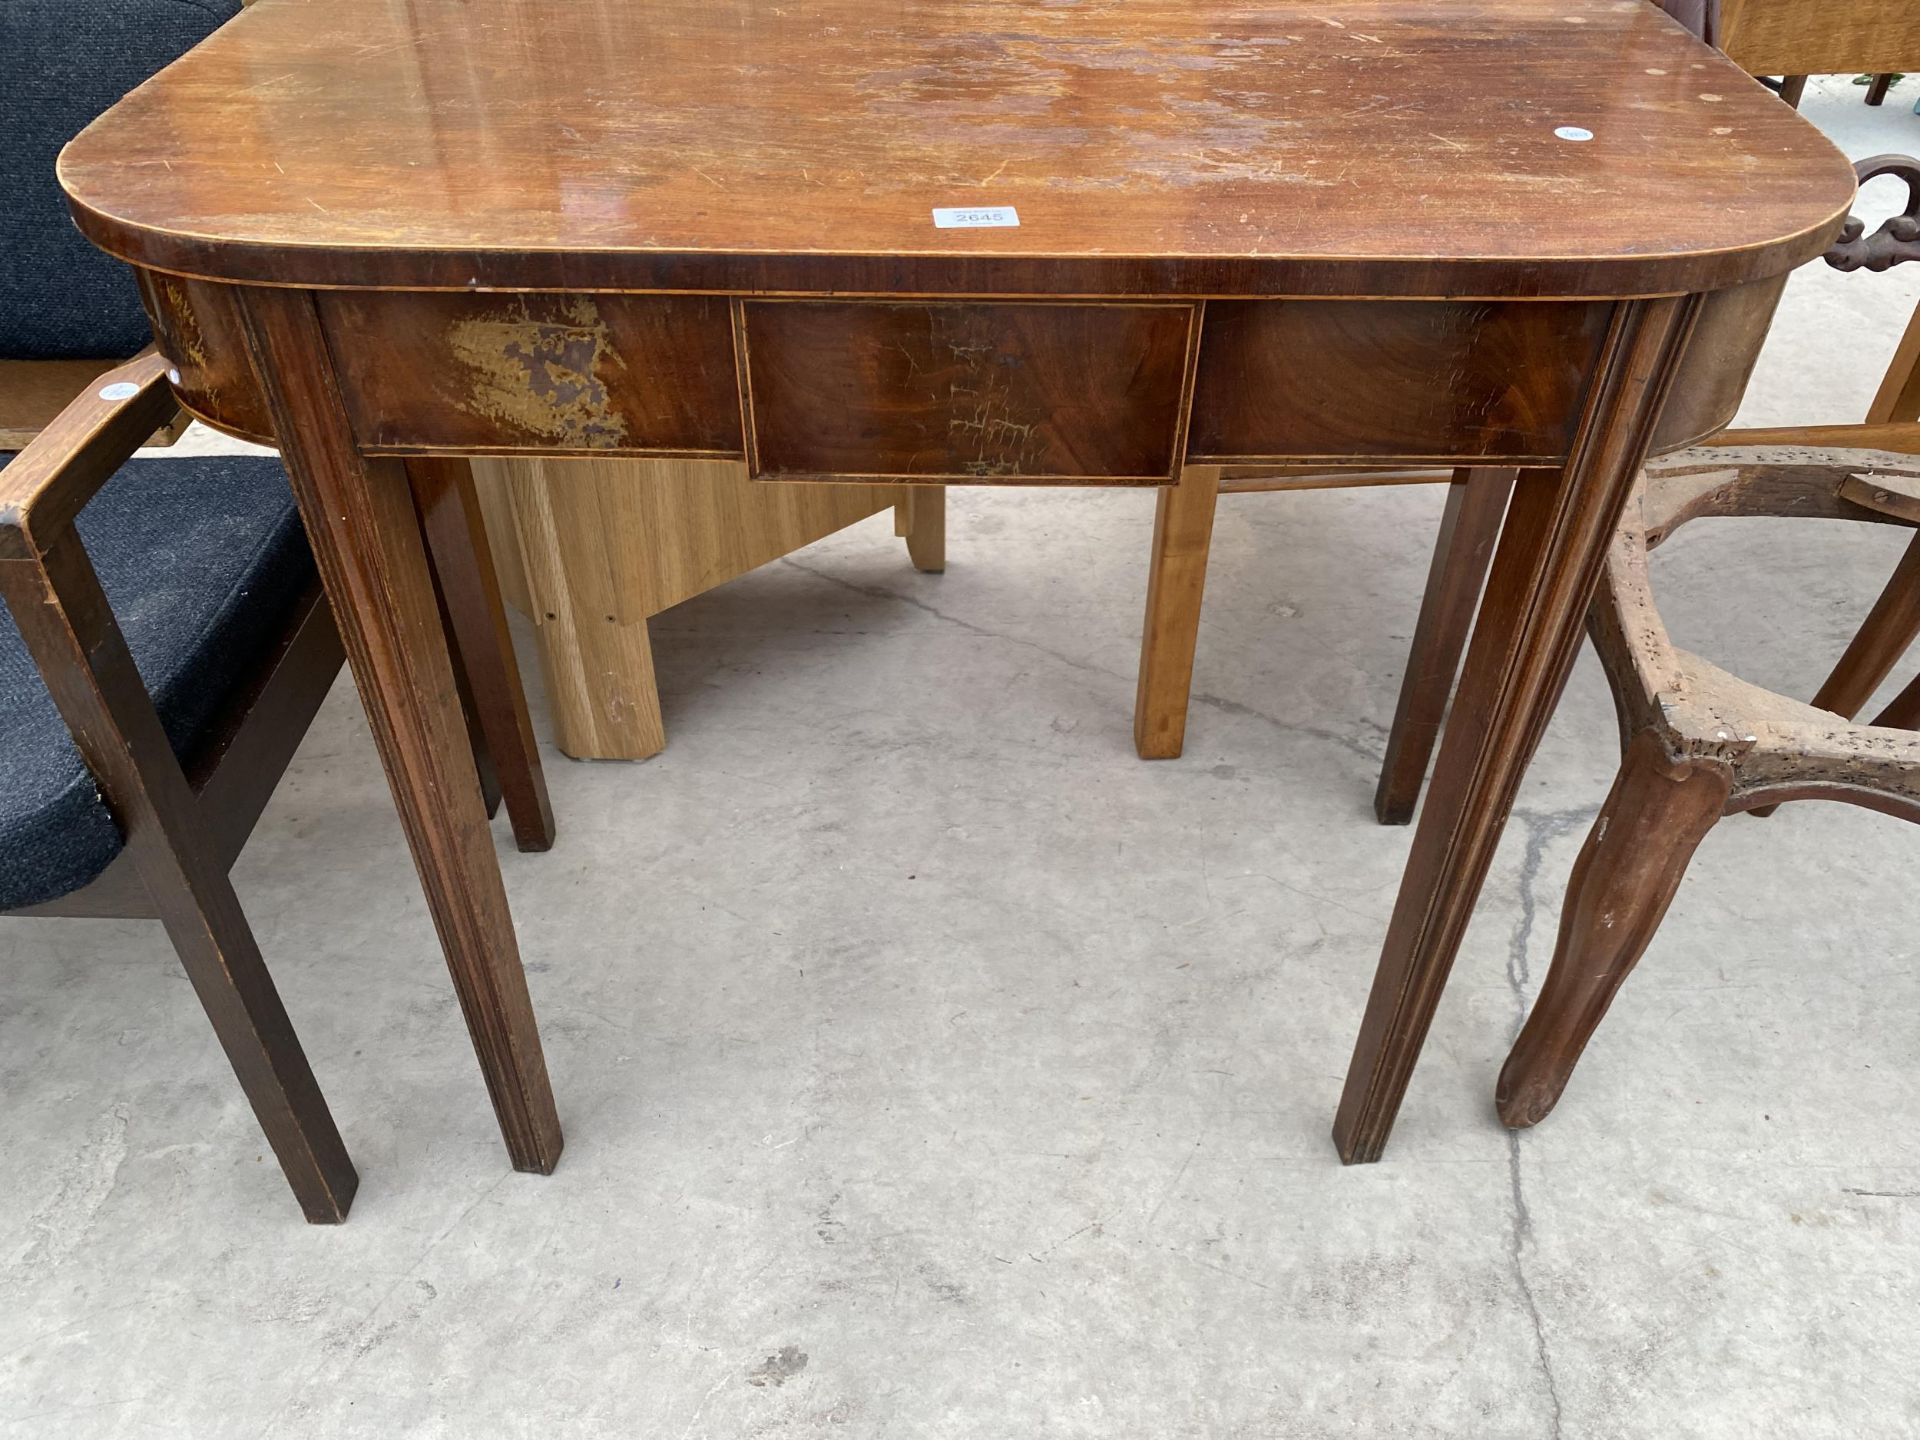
{"x": 484, "y": 665}
{"x": 1476, "y": 504}
{"x": 1903, "y": 711}
{"x": 1877, "y": 89}
{"x": 69, "y": 630}
{"x": 1882, "y": 639}
{"x": 1792, "y": 87}
{"x": 1659, "y": 810}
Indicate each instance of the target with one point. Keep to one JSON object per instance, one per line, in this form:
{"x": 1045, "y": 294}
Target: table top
{"x": 1363, "y": 147}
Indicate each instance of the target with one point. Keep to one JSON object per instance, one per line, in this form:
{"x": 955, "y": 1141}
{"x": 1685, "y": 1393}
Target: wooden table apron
{"x": 355, "y": 240}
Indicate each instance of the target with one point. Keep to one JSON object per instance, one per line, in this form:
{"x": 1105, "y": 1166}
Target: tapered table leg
{"x": 366, "y": 538}
{"x": 1476, "y": 501}
{"x": 1544, "y": 574}
{"x": 456, "y": 536}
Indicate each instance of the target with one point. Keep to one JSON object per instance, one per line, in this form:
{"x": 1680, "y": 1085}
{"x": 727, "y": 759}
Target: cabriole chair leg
{"x": 1659, "y": 810}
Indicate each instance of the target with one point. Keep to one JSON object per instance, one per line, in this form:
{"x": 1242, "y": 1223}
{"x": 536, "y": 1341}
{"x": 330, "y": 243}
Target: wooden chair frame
{"x": 1698, "y": 743}
{"x": 184, "y": 827}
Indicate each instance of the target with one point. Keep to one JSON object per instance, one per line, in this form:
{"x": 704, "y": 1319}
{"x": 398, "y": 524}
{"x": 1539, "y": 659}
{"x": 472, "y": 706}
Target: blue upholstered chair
{"x": 165, "y": 642}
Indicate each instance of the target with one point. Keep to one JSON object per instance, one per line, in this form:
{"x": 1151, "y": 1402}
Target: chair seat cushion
{"x": 202, "y": 561}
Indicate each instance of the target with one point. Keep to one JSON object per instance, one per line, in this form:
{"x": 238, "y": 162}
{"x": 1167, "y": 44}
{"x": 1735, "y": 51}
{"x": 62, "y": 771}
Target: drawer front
{"x": 560, "y": 374}
{"x": 972, "y": 392}
{"x": 1406, "y": 380}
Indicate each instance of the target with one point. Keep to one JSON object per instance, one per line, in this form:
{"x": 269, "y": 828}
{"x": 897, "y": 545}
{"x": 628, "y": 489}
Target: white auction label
{"x": 975, "y": 217}
{"x": 119, "y": 390}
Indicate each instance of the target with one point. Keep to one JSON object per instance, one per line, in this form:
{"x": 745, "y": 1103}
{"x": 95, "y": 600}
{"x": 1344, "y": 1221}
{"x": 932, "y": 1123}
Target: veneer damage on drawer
{"x": 561, "y": 374}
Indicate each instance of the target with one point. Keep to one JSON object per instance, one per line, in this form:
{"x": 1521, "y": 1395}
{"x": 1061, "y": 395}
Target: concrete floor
{"x": 931, "y": 1067}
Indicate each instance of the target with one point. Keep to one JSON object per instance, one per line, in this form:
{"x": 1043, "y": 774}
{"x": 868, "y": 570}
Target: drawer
{"x": 1403, "y": 380}
{"x": 559, "y": 374}
{"x": 978, "y": 391}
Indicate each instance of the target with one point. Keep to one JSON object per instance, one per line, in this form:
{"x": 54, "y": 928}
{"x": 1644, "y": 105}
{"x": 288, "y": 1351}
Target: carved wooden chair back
{"x": 1699, "y": 743}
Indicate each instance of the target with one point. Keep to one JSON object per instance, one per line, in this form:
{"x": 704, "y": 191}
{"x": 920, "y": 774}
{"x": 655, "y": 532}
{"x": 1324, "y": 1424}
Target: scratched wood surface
{"x": 1151, "y": 146}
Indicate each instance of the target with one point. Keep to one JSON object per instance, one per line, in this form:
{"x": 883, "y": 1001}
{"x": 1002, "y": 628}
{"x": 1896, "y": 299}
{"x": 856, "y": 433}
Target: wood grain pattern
{"x": 1193, "y": 147}
{"x": 34, "y": 392}
{"x": 994, "y": 394}
{"x": 45, "y": 486}
{"x": 554, "y": 373}
{"x": 920, "y": 518}
{"x": 366, "y": 539}
{"x": 1185, "y": 149}
{"x": 1307, "y": 380}
{"x": 1821, "y": 37}
{"x": 1727, "y": 340}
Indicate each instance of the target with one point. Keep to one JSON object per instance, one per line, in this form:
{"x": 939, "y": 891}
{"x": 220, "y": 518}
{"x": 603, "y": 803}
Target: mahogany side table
{"x": 957, "y": 242}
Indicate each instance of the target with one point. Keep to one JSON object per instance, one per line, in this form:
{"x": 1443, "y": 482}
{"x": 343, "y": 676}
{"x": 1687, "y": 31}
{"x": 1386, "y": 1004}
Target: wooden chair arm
{"x": 1896, "y": 241}
{"x": 63, "y": 466}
